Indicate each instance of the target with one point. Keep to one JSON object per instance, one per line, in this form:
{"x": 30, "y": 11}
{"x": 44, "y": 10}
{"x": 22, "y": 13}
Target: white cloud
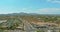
{"x": 26, "y": 10}
{"x": 54, "y": 1}
{"x": 48, "y": 11}
{"x": 42, "y": 11}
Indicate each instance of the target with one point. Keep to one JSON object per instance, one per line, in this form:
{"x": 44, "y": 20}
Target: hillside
{"x": 34, "y": 18}
{"x": 29, "y": 22}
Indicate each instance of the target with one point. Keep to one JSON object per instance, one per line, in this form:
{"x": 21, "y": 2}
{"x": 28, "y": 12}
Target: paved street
{"x": 27, "y": 26}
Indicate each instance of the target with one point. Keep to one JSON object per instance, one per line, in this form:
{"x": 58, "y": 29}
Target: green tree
{"x": 12, "y": 23}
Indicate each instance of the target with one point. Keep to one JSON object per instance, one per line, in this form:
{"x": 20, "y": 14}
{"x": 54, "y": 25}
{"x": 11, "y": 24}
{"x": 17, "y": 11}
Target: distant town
{"x": 24, "y": 22}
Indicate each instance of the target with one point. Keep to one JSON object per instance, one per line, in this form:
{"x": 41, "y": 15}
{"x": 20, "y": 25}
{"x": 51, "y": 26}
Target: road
{"x": 27, "y": 26}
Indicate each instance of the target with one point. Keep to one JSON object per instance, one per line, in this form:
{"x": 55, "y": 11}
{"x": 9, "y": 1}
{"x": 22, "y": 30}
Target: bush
{"x": 38, "y": 31}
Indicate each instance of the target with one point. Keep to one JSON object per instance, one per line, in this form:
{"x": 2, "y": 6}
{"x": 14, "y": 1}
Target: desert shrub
{"x": 38, "y": 31}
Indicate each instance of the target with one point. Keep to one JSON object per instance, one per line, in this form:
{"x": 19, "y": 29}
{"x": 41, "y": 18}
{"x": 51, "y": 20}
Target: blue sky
{"x": 30, "y": 6}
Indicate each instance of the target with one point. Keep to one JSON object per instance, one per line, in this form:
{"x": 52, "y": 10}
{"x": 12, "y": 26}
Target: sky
{"x": 30, "y": 6}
